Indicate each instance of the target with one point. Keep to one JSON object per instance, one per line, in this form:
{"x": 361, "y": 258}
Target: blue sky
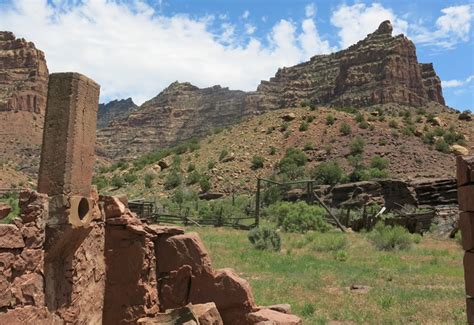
{"x": 136, "y": 48}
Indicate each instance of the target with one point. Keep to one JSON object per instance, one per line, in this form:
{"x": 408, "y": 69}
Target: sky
{"x": 136, "y": 48}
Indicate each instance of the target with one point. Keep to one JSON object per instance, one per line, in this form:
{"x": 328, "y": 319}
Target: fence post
{"x": 257, "y": 203}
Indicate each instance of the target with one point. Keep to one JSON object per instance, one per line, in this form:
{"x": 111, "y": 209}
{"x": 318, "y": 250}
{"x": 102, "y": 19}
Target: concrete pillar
{"x": 74, "y": 245}
{"x": 465, "y": 177}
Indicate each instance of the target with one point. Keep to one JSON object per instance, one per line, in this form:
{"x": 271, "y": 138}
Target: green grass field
{"x": 314, "y": 273}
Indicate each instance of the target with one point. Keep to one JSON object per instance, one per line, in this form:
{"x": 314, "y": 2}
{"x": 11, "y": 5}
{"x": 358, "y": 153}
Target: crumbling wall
{"x": 22, "y": 298}
{"x": 130, "y": 288}
{"x": 465, "y": 176}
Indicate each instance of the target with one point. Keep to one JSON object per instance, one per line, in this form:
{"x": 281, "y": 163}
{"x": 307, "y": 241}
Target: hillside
{"x": 411, "y": 142}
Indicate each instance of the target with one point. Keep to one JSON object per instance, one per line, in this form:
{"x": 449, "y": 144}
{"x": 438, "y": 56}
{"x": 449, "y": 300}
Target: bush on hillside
{"x": 265, "y": 238}
{"x": 328, "y": 173}
{"x": 172, "y": 180}
{"x": 357, "y": 145}
{"x": 148, "y": 179}
{"x": 345, "y": 129}
{"x": 257, "y": 162}
{"x": 330, "y": 119}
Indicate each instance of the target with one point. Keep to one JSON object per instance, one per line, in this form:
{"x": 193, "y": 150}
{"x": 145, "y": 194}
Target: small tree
{"x": 328, "y": 173}
{"x": 172, "y": 180}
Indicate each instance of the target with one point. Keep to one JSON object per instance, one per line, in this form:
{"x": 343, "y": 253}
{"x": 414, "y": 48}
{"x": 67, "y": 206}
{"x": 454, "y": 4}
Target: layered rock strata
{"x": 114, "y": 110}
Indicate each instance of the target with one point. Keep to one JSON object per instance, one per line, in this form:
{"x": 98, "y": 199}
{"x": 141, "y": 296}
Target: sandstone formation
{"x": 380, "y": 69}
{"x": 23, "y": 75}
{"x": 23, "y": 90}
{"x": 114, "y": 110}
{"x": 377, "y": 70}
{"x": 180, "y": 112}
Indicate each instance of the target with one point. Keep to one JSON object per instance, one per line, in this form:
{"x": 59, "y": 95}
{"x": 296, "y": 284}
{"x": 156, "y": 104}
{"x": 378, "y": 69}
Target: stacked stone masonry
{"x": 465, "y": 176}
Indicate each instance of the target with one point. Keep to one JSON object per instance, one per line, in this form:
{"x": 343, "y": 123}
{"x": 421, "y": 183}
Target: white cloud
{"x": 250, "y": 29}
{"x": 457, "y": 83}
{"x": 310, "y": 40}
{"x": 356, "y": 21}
{"x": 246, "y": 14}
{"x": 452, "y": 28}
{"x": 132, "y": 50}
{"x": 310, "y": 10}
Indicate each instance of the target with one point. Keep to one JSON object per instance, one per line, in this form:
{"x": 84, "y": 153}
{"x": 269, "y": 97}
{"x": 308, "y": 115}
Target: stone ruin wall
{"x": 465, "y": 176}
{"x": 75, "y": 257}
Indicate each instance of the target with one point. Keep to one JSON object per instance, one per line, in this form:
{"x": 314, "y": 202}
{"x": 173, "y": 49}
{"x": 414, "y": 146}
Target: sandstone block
{"x": 113, "y": 207}
{"x": 466, "y": 224}
{"x": 469, "y": 273}
{"x": 5, "y": 210}
{"x": 28, "y": 289}
{"x": 6, "y": 297}
{"x": 459, "y": 150}
{"x": 10, "y": 237}
{"x": 174, "y": 288}
{"x": 207, "y": 314}
{"x": 273, "y": 317}
{"x": 465, "y": 170}
{"x": 67, "y": 156}
{"x": 466, "y": 198}
{"x": 186, "y": 249}
{"x": 29, "y": 315}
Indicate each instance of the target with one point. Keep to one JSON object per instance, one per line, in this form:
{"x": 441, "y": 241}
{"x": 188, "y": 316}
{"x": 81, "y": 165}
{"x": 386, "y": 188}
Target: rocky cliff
{"x": 180, "y": 112}
{"x": 23, "y": 75}
{"x": 377, "y": 70}
{"x": 23, "y": 90}
{"x": 114, "y": 110}
{"x": 380, "y": 69}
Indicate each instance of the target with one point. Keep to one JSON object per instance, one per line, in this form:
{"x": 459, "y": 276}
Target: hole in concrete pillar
{"x": 83, "y": 208}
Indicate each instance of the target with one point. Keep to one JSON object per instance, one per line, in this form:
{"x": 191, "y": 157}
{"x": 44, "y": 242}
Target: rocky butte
{"x": 379, "y": 69}
{"x": 23, "y": 90}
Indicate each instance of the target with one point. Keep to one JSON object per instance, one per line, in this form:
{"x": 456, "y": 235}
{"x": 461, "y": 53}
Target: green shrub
{"x": 356, "y": 146}
{"x": 272, "y": 151}
{"x": 257, "y": 162}
{"x": 270, "y": 129}
{"x": 211, "y": 164}
{"x": 304, "y": 126}
{"x": 265, "y": 238}
{"x": 12, "y": 200}
{"x": 298, "y": 216}
{"x": 117, "y": 181}
{"x": 130, "y": 178}
{"x": 100, "y": 181}
{"x": 345, "y": 129}
{"x": 383, "y": 141}
{"x": 393, "y": 124}
{"x": 284, "y": 126}
{"x": 172, "y": 180}
{"x": 223, "y": 154}
{"x": 292, "y": 163}
{"x": 272, "y": 194}
{"x": 148, "y": 179}
{"x": 442, "y": 146}
{"x": 308, "y": 146}
{"x": 310, "y": 119}
{"x": 359, "y": 117}
{"x": 330, "y": 243}
{"x": 390, "y": 238}
{"x": 379, "y": 163}
{"x": 330, "y": 119}
{"x": 364, "y": 125}
{"x": 205, "y": 184}
{"x": 327, "y": 173}
{"x": 308, "y": 310}
{"x": 191, "y": 167}
{"x": 193, "y": 177}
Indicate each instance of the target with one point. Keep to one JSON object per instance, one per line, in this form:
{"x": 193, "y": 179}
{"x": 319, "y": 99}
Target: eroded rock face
{"x": 114, "y": 110}
{"x": 23, "y": 90}
{"x": 23, "y": 75}
{"x": 377, "y": 70}
{"x": 180, "y": 112}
